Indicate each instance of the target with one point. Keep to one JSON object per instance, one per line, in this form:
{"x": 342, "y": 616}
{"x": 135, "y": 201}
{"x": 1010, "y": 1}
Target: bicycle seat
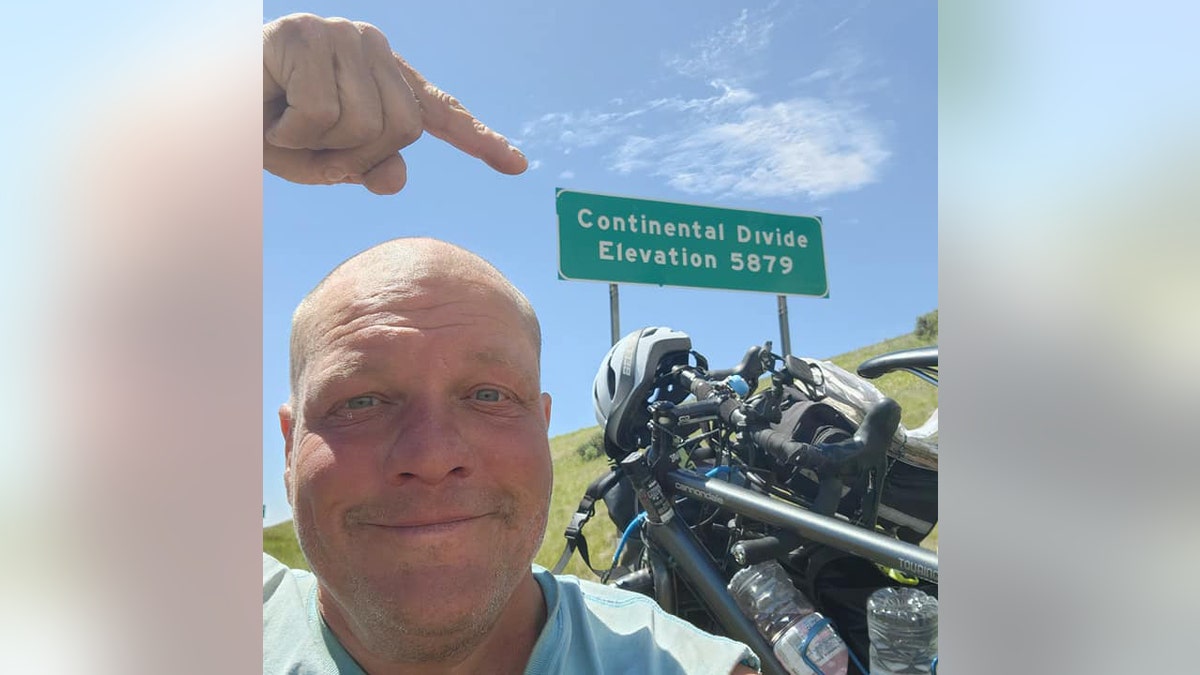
{"x": 921, "y": 357}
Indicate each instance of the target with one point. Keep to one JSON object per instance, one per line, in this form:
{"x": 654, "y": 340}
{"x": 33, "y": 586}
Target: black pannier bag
{"x": 909, "y": 506}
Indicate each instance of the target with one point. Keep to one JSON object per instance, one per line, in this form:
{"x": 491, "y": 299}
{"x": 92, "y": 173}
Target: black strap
{"x": 584, "y": 513}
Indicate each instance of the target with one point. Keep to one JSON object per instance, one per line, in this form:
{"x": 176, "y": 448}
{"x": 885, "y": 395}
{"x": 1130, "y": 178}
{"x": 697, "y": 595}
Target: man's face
{"x": 418, "y": 463}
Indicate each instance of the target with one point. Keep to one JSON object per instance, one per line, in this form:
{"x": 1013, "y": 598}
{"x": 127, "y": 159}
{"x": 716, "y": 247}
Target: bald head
{"x": 414, "y": 270}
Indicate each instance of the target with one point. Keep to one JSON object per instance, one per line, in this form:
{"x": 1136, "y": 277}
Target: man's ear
{"x": 286, "y": 425}
{"x": 546, "y": 407}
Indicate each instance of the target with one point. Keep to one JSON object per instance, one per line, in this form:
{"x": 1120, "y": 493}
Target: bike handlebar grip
{"x": 921, "y": 357}
{"x": 699, "y": 386}
{"x": 785, "y": 450}
{"x": 731, "y": 412}
{"x": 871, "y": 439}
{"x": 730, "y": 409}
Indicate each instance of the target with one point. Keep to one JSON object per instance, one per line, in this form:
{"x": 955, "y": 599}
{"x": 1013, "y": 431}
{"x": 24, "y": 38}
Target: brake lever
{"x": 869, "y": 443}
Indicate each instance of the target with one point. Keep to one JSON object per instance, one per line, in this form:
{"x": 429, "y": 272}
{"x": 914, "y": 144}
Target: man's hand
{"x": 339, "y": 105}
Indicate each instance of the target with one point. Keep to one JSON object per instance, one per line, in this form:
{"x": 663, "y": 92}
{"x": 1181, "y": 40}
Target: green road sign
{"x": 640, "y": 241}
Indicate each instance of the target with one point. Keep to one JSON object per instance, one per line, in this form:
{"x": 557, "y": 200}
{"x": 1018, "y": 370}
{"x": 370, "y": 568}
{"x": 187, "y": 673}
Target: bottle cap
{"x": 903, "y": 607}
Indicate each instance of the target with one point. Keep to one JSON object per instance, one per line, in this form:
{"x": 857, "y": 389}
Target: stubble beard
{"x": 392, "y": 634}
{"x": 392, "y": 638}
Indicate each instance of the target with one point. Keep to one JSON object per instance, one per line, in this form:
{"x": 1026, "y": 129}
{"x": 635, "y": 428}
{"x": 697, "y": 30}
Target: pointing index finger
{"x": 446, "y": 118}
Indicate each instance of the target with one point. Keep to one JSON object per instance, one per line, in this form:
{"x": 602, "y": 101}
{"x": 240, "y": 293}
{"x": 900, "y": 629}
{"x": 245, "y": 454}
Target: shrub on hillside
{"x": 927, "y": 326}
{"x": 592, "y": 447}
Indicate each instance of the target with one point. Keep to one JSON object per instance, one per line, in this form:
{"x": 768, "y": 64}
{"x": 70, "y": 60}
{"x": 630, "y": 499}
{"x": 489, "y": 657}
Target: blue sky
{"x": 831, "y": 106}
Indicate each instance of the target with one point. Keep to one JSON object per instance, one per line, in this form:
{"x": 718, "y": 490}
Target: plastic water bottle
{"x": 785, "y": 618}
{"x": 902, "y": 624}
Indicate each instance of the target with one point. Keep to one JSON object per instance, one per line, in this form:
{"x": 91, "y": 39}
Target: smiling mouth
{"x": 431, "y": 525}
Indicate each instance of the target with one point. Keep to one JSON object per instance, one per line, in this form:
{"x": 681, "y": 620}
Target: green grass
{"x": 280, "y": 541}
{"x": 573, "y": 472}
{"x": 916, "y": 397}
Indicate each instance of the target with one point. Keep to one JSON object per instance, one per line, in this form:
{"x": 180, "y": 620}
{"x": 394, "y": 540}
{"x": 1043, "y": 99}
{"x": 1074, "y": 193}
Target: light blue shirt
{"x": 590, "y": 629}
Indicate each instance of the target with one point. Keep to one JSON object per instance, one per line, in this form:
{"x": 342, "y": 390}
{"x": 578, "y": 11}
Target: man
{"x": 419, "y": 475}
{"x": 418, "y": 467}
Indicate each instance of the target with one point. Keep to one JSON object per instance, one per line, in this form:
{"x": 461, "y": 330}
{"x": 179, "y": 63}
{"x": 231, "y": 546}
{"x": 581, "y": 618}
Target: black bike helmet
{"x": 626, "y": 379}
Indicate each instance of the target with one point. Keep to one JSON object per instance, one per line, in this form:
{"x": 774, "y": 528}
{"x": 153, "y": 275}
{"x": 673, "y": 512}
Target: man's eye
{"x": 360, "y": 402}
{"x": 489, "y": 395}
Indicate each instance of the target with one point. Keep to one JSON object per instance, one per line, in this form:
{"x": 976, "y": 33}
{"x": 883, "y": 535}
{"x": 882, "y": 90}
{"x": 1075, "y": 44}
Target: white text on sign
{"x": 636, "y": 224}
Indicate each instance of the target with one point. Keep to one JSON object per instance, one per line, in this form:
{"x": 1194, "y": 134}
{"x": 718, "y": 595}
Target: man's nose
{"x": 429, "y": 445}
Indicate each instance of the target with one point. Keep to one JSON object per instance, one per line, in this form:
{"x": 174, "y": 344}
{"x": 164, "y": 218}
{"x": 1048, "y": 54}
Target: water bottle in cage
{"x": 801, "y": 637}
{"x": 903, "y": 626}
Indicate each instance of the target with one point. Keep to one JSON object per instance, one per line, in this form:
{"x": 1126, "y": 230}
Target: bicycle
{"x": 727, "y": 476}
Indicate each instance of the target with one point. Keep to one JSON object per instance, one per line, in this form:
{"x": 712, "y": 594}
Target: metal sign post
{"x": 785, "y": 337}
{"x": 614, "y": 309}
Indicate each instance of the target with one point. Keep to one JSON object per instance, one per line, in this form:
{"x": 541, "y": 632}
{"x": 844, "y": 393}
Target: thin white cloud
{"x": 728, "y": 53}
{"x": 635, "y": 154}
{"x": 535, "y": 164}
{"x": 584, "y": 129}
{"x": 589, "y": 129}
{"x": 736, "y": 142}
{"x": 816, "y": 76}
{"x": 567, "y": 175}
{"x": 786, "y": 149}
{"x": 845, "y": 73}
{"x": 729, "y": 97}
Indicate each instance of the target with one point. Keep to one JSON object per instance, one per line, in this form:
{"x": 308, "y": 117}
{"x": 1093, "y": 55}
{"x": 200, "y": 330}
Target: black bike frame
{"x": 875, "y": 547}
{"x": 700, "y": 571}
{"x": 656, "y": 477}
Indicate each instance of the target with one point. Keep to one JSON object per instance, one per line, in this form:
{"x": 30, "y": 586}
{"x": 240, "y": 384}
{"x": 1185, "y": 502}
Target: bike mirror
{"x": 808, "y": 373}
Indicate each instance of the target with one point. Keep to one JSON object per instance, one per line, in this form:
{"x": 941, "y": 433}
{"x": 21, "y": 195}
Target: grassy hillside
{"x": 280, "y": 541}
{"x": 572, "y": 474}
{"x": 916, "y": 397}
{"x": 573, "y": 471}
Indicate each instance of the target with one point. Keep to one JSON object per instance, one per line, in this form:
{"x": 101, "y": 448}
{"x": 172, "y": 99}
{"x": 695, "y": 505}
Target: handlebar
{"x": 843, "y": 458}
{"x": 750, "y": 369}
{"x": 872, "y": 439}
{"x": 921, "y": 361}
{"x": 728, "y": 405}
